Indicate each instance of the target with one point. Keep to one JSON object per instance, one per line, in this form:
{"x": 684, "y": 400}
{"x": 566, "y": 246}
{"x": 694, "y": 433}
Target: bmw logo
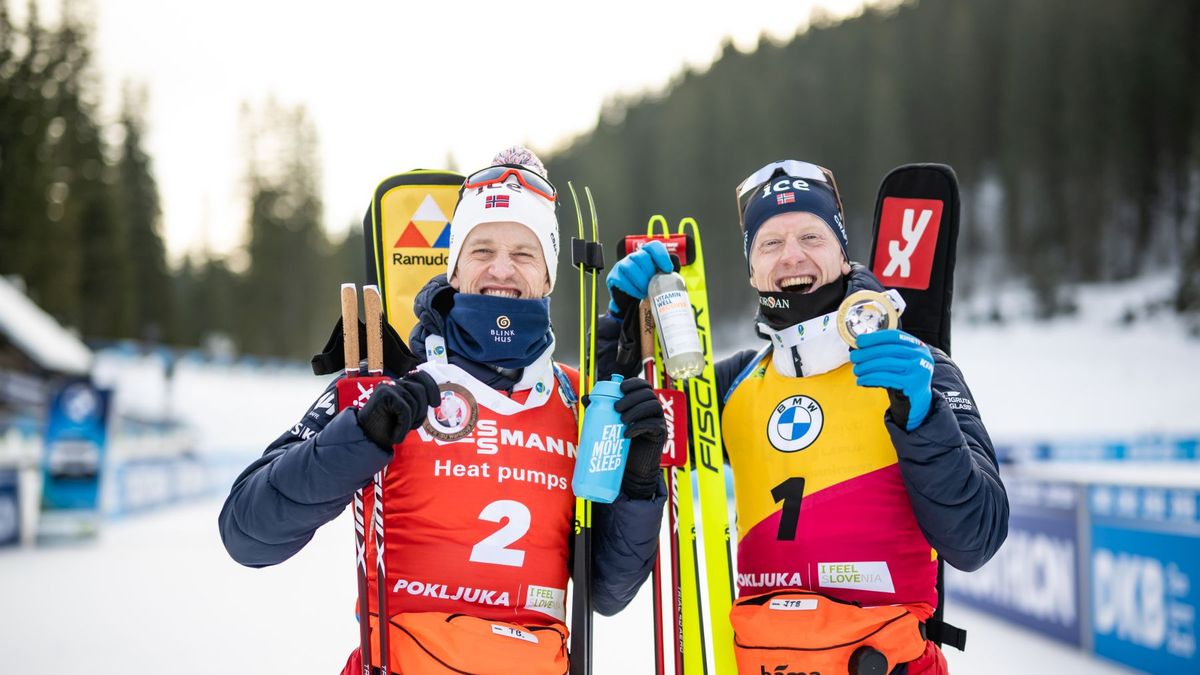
{"x": 795, "y": 424}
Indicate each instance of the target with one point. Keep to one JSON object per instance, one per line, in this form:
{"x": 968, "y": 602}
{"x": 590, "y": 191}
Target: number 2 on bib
{"x": 493, "y": 549}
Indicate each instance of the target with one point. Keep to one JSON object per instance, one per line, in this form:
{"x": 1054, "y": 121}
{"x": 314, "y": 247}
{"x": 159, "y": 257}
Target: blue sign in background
{"x": 10, "y": 508}
{"x": 76, "y": 440}
{"x": 145, "y": 484}
{"x": 1033, "y": 580}
{"x": 1145, "y": 573}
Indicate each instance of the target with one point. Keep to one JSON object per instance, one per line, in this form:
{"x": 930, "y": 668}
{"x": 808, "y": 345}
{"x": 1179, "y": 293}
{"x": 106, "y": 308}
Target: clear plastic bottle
{"x": 683, "y": 357}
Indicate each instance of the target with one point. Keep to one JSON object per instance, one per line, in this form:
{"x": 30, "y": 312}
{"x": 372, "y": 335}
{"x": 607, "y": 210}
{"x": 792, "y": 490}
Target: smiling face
{"x": 795, "y": 252}
{"x": 502, "y": 259}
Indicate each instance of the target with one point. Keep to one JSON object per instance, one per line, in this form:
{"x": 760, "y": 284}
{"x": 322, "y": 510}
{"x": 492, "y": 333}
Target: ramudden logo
{"x": 428, "y": 228}
{"x": 795, "y": 424}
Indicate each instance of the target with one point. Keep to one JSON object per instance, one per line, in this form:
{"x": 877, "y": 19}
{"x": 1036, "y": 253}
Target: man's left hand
{"x": 903, "y": 365}
{"x": 646, "y": 427}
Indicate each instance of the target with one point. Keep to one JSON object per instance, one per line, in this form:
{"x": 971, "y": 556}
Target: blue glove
{"x": 629, "y": 279}
{"x": 903, "y": 365}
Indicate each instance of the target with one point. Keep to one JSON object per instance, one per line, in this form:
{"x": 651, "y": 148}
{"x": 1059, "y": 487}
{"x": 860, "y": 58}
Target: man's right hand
{"x": 629, "y": 280}
{"x": 396, "y": 409}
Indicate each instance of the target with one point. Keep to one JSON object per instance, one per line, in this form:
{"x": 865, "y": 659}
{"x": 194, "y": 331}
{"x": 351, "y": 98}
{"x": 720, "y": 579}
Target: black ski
{"x": 913, "y": 250}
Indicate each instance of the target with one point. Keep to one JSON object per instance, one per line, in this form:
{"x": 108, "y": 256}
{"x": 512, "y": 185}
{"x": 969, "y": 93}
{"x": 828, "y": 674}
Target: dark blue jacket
{"x": 947, "y": 463}
{"x": 308, "y": 476}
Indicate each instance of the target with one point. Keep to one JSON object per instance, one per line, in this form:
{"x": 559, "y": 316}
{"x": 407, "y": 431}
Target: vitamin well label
{"x": 800, "y": 605}
{"x": 676, "y": 323}
{"x": 509, "y": 631}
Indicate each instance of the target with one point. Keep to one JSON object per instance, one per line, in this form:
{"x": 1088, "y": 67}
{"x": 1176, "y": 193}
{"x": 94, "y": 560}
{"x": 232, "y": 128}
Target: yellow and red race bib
{"x": 820, "y": 500}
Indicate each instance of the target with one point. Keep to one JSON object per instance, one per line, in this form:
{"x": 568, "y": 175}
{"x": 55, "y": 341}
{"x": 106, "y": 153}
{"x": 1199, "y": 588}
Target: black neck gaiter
{"x": 782, "y": 309}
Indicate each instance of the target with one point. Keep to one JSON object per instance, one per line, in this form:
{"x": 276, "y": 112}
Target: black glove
{"x": 396, "y": 409}
{"x": 646, "y": 427}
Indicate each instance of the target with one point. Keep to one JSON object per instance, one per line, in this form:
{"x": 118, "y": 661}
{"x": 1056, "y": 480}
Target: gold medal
{"x": 865, "y": 312}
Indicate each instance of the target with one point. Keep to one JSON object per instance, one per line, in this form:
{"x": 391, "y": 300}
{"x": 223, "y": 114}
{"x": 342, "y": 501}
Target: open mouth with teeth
{"x": 501, "y": 292}
{"x": 798, "y": 284}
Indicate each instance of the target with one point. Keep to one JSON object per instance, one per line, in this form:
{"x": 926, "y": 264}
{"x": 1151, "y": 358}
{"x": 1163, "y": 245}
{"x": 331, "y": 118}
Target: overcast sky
{"x": 391, "y": 85}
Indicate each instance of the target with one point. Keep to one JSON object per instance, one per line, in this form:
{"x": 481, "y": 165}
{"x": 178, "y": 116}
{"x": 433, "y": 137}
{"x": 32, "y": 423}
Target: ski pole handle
{"x": 646, "y": 338}
{"x": 350, "y": 327}
{"x": 373, "y": 310}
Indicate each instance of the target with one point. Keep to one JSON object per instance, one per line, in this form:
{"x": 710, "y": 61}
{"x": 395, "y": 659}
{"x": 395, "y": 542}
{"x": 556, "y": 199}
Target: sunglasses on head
{"x": 788, "y": 167}
{"x": 494, "y": 175}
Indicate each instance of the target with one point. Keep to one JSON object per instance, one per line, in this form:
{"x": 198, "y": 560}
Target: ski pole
{"x": 350, "y": 351}
{"x": 587, "y": 256}
{"x": 373, "y": 311}
{"x": 651, "y": 375}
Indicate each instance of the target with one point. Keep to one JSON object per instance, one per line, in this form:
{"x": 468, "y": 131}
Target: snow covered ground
{"x": 157, "y": 592}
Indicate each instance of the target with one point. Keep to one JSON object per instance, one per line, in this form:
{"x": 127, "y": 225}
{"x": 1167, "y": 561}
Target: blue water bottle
{"x": 603, "y": 448}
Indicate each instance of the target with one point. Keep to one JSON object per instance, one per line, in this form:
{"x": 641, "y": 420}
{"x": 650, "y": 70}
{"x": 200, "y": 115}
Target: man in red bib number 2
{"x": 478, "y": 505}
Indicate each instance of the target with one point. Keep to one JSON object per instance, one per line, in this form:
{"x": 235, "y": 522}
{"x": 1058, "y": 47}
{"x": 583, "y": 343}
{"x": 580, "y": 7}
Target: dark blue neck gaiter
{"x": 503, "y": 332}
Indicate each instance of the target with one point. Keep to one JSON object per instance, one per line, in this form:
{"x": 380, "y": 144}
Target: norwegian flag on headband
{"x": 785, "y": 198}
{"x": 496, "y": 201}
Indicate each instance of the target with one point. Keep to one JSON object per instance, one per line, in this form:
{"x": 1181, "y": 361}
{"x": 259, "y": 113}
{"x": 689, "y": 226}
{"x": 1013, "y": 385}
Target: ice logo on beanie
{"x": 784, "y": 184}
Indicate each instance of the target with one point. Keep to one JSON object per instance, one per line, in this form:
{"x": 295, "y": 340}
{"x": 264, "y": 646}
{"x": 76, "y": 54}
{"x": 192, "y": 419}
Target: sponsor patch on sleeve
{"x": 958, "y": 400}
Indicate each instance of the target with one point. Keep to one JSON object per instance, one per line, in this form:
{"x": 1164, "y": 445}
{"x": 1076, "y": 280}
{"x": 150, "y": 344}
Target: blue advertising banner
{"x": 10, "y": 508}
{"x": 1152, "y": 447}
{"x": 1033, "y": 579}
{"x": 145, "y": 484}
{"x": 76, "y": 440}
{"x": 1145, "y": 569}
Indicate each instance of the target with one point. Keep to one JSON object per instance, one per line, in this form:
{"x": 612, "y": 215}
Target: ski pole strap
{"x": 397, "y": 357}
{"x": 588, "y": 254}
{"x": 941, "y": 633}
